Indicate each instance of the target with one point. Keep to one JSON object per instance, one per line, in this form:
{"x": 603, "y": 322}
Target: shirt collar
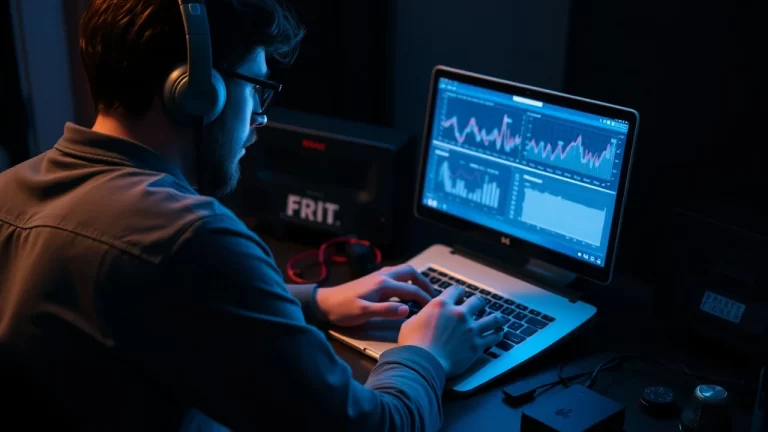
{"x": 85, "y": 143}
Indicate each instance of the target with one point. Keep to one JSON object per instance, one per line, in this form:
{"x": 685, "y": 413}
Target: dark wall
{"x": 343, "y": 68}
{"x": 522, "y": 41}
{"x": 14, "y": 121}
{"x": 370, "y": 61}
{"x": 695, "y": 76}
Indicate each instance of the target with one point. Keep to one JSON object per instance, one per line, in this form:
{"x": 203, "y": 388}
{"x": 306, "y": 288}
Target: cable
{"x": 321, "y": 255}
{"x": 531, "y": 394}
{"x": 612, "y": 363}
{"x": 619, "y": 360}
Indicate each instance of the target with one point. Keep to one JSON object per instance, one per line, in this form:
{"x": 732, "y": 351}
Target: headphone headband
{"x": 194, "y": 90}
{"x": 199, "y": 56}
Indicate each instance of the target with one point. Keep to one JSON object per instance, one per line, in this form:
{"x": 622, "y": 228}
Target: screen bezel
{"x": 519, "y": 246}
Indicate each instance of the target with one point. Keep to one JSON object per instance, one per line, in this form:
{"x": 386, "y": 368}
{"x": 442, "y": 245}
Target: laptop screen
{"x": 540, "y": 172}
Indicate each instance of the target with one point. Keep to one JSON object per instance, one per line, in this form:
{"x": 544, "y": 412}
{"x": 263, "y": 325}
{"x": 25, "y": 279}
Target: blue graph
{"x": 557, "y": 210}
{"x": 487, "y": 194}
{"x": 484, "y": 128}
{"x": 571, "y": 147}
{"x": 471, "y": 182}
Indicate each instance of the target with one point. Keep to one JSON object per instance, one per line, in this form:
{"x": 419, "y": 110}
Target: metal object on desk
{"x": 707, "y": 410}
{"x": 659, "y": 402}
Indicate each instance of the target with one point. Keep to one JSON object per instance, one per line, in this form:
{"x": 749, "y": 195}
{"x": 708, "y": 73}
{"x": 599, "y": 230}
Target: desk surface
{"x": 622, "y": 327}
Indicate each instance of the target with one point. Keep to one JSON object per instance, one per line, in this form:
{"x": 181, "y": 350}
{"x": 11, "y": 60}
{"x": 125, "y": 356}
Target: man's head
{"x": 128, "y": 48}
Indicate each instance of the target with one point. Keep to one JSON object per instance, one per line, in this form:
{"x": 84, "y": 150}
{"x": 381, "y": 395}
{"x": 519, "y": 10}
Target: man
{"x": 167, "y": 312}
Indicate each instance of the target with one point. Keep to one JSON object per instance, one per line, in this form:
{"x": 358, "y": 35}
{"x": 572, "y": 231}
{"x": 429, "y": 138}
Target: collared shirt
{"x": 145, "y": 305}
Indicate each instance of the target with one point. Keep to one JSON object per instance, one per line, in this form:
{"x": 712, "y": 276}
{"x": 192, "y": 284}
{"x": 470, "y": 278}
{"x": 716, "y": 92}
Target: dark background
{"x": 692, "y": 69}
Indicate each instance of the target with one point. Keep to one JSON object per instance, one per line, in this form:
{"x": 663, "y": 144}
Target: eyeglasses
{"x": 265, "y": 89}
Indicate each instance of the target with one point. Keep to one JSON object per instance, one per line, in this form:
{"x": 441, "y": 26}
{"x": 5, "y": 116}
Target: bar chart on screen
{"x": 467, "y": 181}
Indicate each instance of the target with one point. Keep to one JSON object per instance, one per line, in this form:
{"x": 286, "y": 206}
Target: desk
{"x": 623, "y": 325}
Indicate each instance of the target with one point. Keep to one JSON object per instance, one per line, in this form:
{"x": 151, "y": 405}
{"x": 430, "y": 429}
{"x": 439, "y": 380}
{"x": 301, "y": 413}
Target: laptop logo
{"x": 564, "y": 413}
{"x": 506, "y": 240}
{"x": 312, "y": 210}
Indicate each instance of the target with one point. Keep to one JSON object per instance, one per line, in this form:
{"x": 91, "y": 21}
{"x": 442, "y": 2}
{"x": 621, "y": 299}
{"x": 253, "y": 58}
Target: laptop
{"x": 540, "y": 175}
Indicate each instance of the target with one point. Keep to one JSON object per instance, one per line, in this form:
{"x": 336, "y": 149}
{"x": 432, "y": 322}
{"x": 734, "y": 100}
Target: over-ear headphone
{"x": 195, "y": 91}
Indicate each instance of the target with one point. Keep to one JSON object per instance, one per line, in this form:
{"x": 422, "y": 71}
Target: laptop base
{"x": 535, "y": 302}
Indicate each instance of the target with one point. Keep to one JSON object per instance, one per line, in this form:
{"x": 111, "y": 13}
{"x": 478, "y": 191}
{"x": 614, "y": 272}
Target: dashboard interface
{"x": 539, "y": 172}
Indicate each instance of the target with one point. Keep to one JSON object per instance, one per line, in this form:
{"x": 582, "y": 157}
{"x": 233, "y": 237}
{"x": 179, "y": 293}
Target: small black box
{"x": 575, "y": 409}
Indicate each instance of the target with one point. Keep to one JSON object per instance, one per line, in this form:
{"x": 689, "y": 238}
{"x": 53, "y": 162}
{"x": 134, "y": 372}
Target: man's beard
{"x": 218, "y": 159}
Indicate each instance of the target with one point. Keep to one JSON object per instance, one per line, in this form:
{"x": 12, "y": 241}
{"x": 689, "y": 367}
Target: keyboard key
{"x": 505, "y": 345}
{"x": 528, "y": 331}
{"x": 514, "y": 337}
{"x": 520, "y": 316}
{"x": 509, "y": 302}
{"x": 437, "y": 291}
{"x": 434, "y": 280}
{"x": 515, "y": 325}
{"x": 451, "y": 278}
{"x": 472, "y": 287}
{"x": 431, "y": 270}
{"x": 413, "y": 305}
{"x": 444, "y": 284}
{"x": 460, "y": 282}
{"x": 468, "y": 294}
{"x": 534, "y": 312}
{"x": 443, "y": 274}
{"x": 536, "y": 323}
{"x": 425, "y": 274}
{"x": 522, "y": 307}
{"x": 548, "y": 318}
{"x": 496, "y": 297}
{"x": 507, "y": 311}
{"x": 495, "y": 306}
{"x": 484, "y": 292}
{"x": 492, "y": 354}
{"x": 505, "y": 320}
{"x": 413, "y": 308}
{"x": 487, "y": 300}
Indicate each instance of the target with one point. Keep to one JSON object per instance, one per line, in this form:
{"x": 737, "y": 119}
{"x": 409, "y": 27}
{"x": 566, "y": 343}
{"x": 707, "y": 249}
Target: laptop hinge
{"x": 541, "y": 274}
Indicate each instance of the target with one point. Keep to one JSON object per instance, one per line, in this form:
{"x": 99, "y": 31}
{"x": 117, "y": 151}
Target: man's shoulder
{"x": 143, "y": 213}
{"x": 161, "y": 210}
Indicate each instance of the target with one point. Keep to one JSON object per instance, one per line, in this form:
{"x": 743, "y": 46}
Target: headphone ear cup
{"x": 185, "y": 105}
{"x": 219, "y": 97}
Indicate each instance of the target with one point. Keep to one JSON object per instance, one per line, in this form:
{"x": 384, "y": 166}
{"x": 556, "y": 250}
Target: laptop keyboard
{"x": 521, "y": 322}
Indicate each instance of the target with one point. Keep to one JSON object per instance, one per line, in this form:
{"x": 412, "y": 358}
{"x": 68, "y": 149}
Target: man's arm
{"x": 306, "y": 294}
{"x": 226, "y": 334}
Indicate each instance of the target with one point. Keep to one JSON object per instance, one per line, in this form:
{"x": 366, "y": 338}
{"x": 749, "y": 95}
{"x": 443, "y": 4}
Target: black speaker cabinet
{"x": 315, "y": 176}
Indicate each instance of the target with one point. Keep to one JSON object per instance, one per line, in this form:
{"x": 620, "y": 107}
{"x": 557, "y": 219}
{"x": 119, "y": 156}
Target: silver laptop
{"x": 542, "y": 176}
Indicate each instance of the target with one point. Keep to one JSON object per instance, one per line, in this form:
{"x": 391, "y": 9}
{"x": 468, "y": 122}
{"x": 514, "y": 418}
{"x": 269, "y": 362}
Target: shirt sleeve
{"x": 306, "y": 294}
{"x": 233, "y": 342}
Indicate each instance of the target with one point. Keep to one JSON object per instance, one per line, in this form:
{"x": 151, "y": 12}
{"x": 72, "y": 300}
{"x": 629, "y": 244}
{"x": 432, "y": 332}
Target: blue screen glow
{"x": 539, "y": 172}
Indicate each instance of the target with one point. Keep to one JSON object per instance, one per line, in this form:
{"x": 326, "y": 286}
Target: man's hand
{"x": 356, "y": 302}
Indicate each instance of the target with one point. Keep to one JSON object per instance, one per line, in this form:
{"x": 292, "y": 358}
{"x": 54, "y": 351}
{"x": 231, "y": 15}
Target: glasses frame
{"x": 266, "y": 84}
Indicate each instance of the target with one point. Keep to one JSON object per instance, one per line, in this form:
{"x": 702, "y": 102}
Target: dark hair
{"x": 128, "y": 47}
